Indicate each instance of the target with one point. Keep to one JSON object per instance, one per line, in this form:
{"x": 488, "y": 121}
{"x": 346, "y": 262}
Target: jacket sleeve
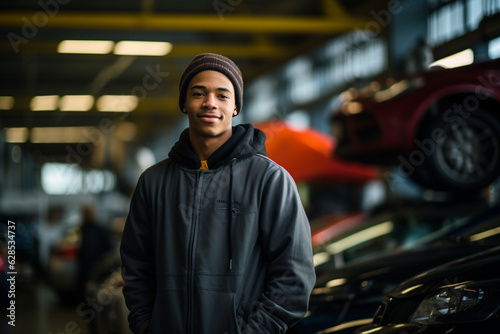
{"x": 286, "y": 237}
{"x": 138, "y": 261}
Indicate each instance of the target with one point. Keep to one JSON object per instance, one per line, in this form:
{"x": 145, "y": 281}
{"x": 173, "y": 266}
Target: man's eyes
{"x": 221, "y": 96}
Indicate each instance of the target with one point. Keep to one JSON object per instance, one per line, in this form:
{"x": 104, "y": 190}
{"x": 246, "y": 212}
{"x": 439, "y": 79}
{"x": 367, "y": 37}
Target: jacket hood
{"x": 245, "y": 141}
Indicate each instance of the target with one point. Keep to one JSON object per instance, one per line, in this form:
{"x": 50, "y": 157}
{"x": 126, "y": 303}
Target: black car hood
{"x": 399, "y": 266}
{"x": 481, "y": 266}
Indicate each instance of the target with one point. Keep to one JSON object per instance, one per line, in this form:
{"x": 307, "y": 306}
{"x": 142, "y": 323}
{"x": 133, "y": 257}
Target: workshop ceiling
{"x": 258, "y": 35}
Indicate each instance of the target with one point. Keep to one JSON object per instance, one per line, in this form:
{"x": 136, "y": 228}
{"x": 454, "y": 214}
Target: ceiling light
{"x": 117, "y": 103}
{"x": 85, "y": 47}
{"x": 136, "y": 48}
{"x": 6, "y": 102}
{"x": 76, "y": 134}
{"x": 16, "y": 135}
{"x": 76, "y": 102}
{"x": 44, "y": 102}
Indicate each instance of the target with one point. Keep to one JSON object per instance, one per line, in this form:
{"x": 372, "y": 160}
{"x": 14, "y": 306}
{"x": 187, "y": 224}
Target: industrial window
{"x": 494, "y": 48}
{"x": 71, "y": 179}
{"x": 449, "y": 19}
{"x": 343, "y": 60}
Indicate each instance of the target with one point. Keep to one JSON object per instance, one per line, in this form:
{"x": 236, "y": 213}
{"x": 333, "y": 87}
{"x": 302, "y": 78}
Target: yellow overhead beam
{"x": 236, "y": 51}
{"x": 333, "y": 8}
{"x": 179, "y": 22}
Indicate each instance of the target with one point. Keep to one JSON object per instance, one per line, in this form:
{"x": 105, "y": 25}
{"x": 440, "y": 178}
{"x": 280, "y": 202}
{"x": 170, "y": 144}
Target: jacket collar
{"x": 245, "y": 141}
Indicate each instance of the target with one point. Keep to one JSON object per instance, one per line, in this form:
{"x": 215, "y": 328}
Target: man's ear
{"x": 184, "y": 110}
{"x": 235, "y": 111}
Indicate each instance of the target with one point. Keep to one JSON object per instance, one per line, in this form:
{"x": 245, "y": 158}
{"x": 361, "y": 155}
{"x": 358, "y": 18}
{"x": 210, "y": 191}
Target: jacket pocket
{"x": 169, "y": 312}
{"x": 215, "y": 312}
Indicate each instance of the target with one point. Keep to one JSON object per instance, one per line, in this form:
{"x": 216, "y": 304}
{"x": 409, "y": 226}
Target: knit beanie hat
{"x": 213, "y": 62}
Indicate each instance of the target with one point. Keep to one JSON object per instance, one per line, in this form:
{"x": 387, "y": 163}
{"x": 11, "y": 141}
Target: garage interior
{"x": 79, "y": 126}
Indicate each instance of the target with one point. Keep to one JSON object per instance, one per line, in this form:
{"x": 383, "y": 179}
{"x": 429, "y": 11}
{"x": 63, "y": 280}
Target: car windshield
{"x": 392, "y": 230}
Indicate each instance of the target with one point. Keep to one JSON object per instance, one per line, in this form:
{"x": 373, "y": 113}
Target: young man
{"x": 216, "y": 240}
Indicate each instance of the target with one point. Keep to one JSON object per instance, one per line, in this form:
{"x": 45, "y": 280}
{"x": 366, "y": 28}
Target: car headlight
{"x": 454, "y": 304}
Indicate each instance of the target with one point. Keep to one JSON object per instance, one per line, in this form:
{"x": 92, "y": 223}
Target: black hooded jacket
{"x": 225, "y": 250}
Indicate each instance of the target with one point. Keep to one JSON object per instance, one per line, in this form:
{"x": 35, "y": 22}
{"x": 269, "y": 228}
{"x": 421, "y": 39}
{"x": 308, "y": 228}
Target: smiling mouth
{"x": 209, "y": 117}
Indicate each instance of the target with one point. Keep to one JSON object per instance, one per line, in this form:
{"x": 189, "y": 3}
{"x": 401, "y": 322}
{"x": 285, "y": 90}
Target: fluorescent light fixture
{"x": 117, "y": 103}
{"x": 6, "y": 102}
{"x": 77, "y": 134}
{"x": 16, "y": 135}
{"x": 85, "y": 47}
{"x": 360, "y": 237}
{"x": 320, "y": 258}
{"x": 76, "y": 102}
{"x": 44, "y": 102}
{"x": 136, "y": 48}
{"x": 335, "y": 282}
{"x": 461, "y": 58}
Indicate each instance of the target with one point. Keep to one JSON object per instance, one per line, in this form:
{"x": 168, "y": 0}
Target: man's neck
{"x": 204, "y": 147}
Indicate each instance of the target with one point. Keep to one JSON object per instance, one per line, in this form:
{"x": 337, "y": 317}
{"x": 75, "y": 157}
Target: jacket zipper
{"x": 192, "y": 251}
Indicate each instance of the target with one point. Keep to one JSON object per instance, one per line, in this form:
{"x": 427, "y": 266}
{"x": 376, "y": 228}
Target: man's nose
{"x": 210, "y": 101}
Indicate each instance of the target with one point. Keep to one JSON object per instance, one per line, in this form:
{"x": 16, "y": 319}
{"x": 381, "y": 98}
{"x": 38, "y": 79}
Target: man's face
{"x": 210, "y": 105}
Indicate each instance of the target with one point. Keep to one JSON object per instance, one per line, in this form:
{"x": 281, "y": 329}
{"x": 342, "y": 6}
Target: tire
{"x": 466, "y": 155}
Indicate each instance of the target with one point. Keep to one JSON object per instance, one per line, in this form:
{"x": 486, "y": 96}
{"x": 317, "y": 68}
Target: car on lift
{"x": 440, "y": 127}
{"x": 459, "y": 297}
{"x": 345, "y": 298}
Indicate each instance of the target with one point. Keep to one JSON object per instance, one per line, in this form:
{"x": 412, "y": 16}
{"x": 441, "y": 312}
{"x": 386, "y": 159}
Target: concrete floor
{"x": 39, "y": 310}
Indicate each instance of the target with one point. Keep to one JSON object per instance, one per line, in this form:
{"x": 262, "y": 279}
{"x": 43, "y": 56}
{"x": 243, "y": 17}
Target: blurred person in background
{"x": 216, "y": 240}
{"x": 96, "y": 241}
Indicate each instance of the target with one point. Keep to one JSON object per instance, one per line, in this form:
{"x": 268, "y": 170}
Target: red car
{"x": 440, "y": 127}
{"x": 307, "y": 155}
